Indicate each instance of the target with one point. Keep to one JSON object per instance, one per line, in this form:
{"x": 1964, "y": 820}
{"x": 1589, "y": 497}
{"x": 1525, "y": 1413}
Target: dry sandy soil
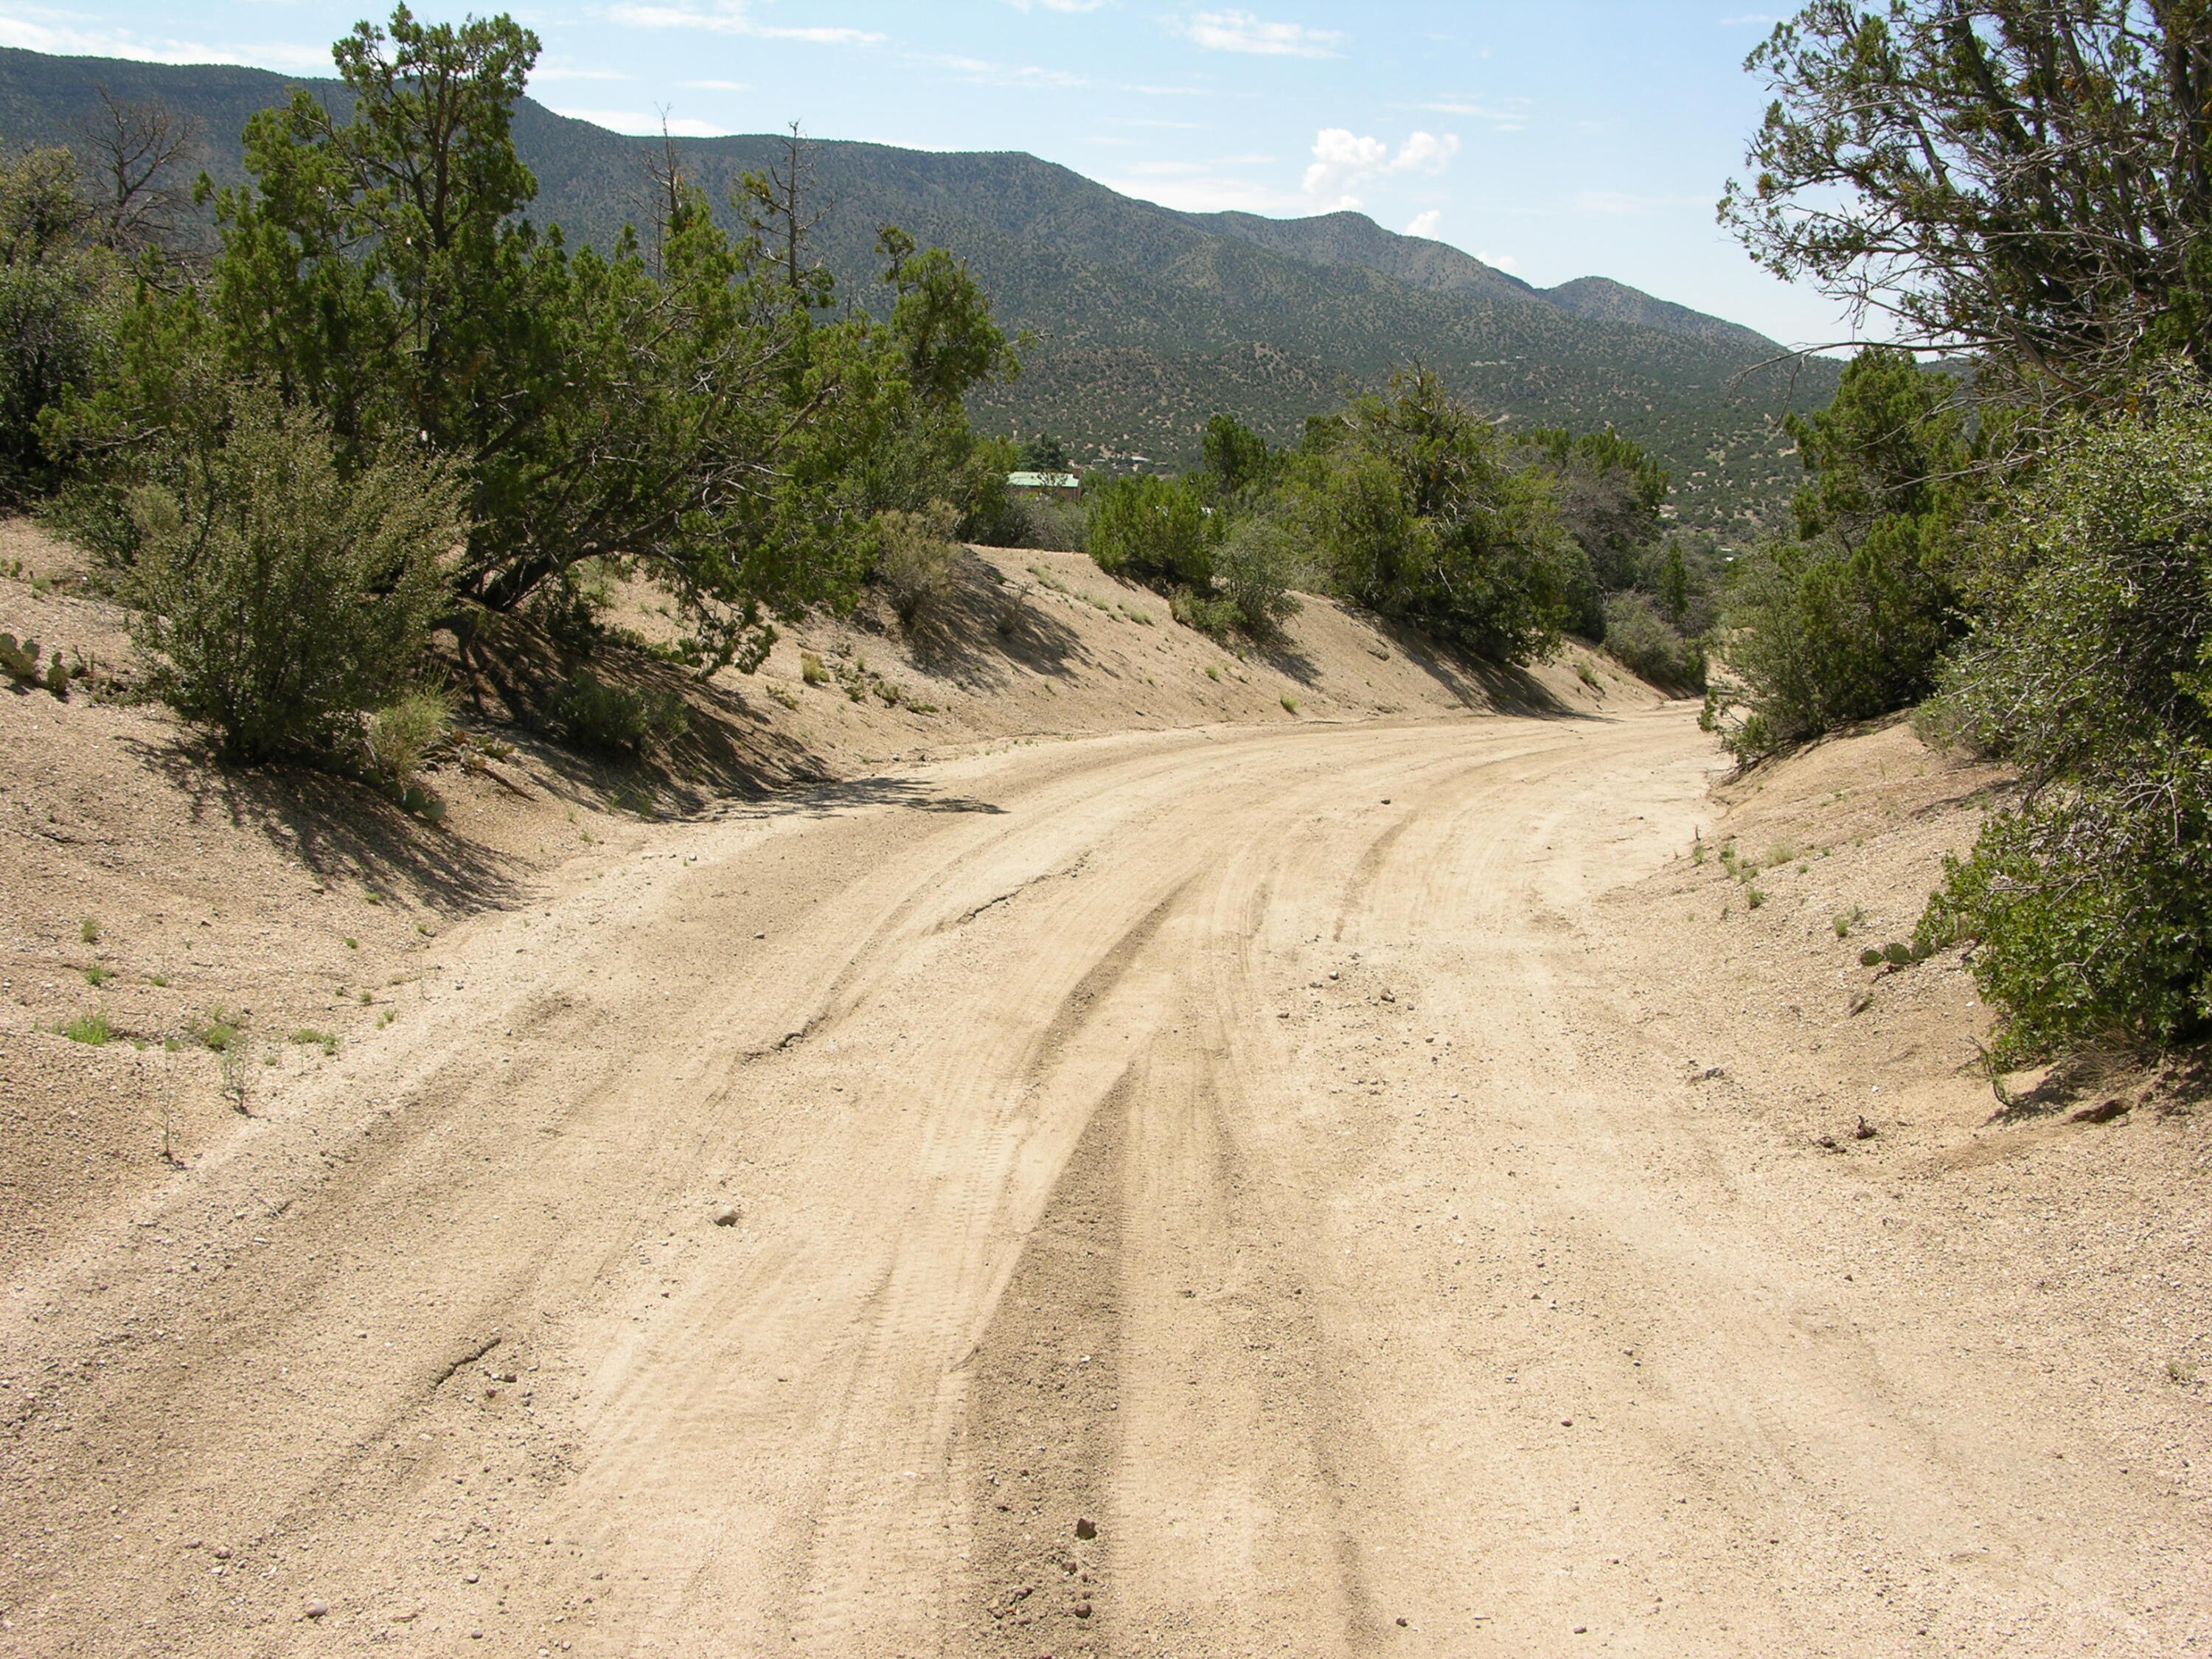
{"x": 1263, "y": 1184}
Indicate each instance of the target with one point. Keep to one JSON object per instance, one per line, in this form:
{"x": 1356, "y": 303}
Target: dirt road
{"x": 1186, "y": 1193}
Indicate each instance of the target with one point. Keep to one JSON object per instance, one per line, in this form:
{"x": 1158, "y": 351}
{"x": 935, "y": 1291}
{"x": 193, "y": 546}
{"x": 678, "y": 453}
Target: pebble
{"x": 1086, "y": 1527}
{"x": 316, "y": 1609}
{"x": 221, "y": 1552}
{"x": 1081, "y": 1609}
{"x": 726, "y": 1215}
{"x": 471, "y": 1579}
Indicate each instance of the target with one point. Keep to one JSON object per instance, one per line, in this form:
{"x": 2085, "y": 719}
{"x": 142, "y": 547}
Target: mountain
{"x": 1146, "y": 320}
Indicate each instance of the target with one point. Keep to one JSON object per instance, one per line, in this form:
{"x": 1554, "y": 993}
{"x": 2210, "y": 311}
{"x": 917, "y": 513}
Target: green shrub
{"x": 810, "y": 669}
{"x": 1212, "y": 615}
{"x": 217, "y": 1032}
{"x": 19, "y": 659}
{"x": 616, "y": 719}
{"x": 1413, "y": 508}
{"x": 1258, "y": 564}
{"x": 396, "y": 737}
{"x": 1642, "y": 640}
{"x": 915, "y": 557}
{"x": 92, "y": 1028}
{"x": 279, "y": 596}
{"x": 2091, "y": 901}
{"x": 1153, "y": 530}
{"x": 1849, "y": 619}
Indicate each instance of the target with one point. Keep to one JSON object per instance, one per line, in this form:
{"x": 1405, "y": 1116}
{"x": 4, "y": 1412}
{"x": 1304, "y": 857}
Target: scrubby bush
{"x": 1849, "y": 618}
{"x": 1640, "y": 638}
{"x": 915, "y": 557}
{"x": 1415, "y": 507}
{"x": 1255, "y": 568}
{"x": 2087, "y": 669}
{"x": 1153, "y": 530}
{"x": 616, "y": 719}
{"x": 395, "y": 739}
{"x": 280, "y": 599}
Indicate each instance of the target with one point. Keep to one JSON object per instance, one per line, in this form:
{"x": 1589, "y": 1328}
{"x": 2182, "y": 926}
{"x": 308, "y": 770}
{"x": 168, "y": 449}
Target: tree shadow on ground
{"x": 985, "y": 624}
{"x": 339, "y": 830}
{"x": 1475, "y": 682}
{"x": 827, "y": 800}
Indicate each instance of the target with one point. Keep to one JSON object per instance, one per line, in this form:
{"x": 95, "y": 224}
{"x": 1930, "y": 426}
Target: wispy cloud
{"x": 1172, "y": 92}
{"x": 1193, "y": 169}
{"x": 557, "y": 73}
{"x": 37, "y": 29}
{"x": 979, "y": 72}
{"x": 1242, "y": 30}
{"x": 735, "y": 17}
{"x": 1504, "y": 262}
{"x": 645, "y": 123}
{"x": 1506, "y": 118}
{"x": 1750, "y": 20}
{"x": 1342, "y": 158}
{"x": 1425, "y": 224}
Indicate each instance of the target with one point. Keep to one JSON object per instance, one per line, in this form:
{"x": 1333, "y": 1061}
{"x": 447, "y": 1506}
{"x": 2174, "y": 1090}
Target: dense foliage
{"x": 1848, "y": 619}
{"x": 283, "y": 597}
{"x": 692, "y": 405}
{"x": 2024, "y": 181}
{"x": 2090, "y": 668}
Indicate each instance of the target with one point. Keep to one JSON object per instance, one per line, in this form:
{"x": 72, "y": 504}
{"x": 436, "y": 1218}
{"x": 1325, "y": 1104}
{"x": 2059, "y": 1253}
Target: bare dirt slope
{"x": 1214, "y": 1191}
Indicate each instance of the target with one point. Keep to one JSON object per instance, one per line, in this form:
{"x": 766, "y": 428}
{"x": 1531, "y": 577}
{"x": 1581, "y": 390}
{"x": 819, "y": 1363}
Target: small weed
{"x": 1698, "y": 851}
{"x": 171, "y": 1045}
{"x": 423, "y": 928}
{"x": 1753, "y": 898}
{"x": 1212, "y": 672}
{"x": 308, "y": 1037}
{"x": 810, "y": 669}
{"x": 92, "y": 1028}
{"x": 269, "y": 1059}
{"x": 2181, "y": 1371}
{"x": 97, "y": 975}
{"x": 352, "y": 945}
{"x": 89, "y": 931}
{"x": 365, "y": 998}
{"x": 387, "y": 1017}
{"x": 219, "y": 1031}
{"x": 1583, "y": 673}
{"x": 1845, "y": 921}
{"x": 1289, "y": 703}
{"x": 161, "y": 980}
{"x": 784, "y": 695}
{"x": 373, "y": 896}
{"x": 1782, "y": 852}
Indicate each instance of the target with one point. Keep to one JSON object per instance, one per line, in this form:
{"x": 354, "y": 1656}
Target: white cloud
{"x": 981, "y": 73}
{"x": 1506, "y": 120}
{"x": 20, "y": 26}
{"x": 646, "y": 124}
{"x": 735, "y": 17}
{"x": 1172, "y": 92}
{"x": 1504, "y": 262}
{"x": 1425, "y": 224}
{"x": 1343, "y": 158}
{"x": 1749, "y": 20}
{"x": 541, "y": 73}
{"x": 1241, "y": 31}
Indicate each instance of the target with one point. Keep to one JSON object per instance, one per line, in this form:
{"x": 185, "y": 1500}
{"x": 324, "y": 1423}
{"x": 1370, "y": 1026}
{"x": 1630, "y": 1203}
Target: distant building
{"x": 1059, "y": 484}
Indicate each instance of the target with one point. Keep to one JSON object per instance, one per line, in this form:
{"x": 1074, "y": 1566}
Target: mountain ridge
{"x": 1146, "y": 319}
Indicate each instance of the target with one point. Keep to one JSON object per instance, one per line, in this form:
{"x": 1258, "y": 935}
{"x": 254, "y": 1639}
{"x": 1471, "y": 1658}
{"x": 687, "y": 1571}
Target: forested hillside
{"x": 1146, "y": 321}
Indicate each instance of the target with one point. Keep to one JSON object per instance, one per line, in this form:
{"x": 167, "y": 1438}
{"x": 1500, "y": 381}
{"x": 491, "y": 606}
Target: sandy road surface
{"x": 1217, "y": 1137}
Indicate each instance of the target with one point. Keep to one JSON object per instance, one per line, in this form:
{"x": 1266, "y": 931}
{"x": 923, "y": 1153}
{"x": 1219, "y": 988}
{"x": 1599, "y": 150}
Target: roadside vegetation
{"x": 2017, "y": 536}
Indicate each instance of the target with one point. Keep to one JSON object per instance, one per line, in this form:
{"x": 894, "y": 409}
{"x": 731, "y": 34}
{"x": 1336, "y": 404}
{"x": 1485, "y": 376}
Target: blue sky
{"x": 1569, "y": 138}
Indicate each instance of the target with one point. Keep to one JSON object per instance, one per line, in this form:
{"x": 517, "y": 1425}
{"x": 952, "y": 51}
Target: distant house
{"x": 1059, "y": 484}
